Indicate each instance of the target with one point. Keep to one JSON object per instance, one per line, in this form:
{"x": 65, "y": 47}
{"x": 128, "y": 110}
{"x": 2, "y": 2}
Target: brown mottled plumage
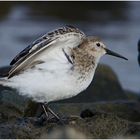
{"x": 83, "y": 61}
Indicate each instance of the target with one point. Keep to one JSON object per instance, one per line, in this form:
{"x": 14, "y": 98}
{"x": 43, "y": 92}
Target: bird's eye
{"x": 98, "y": 44}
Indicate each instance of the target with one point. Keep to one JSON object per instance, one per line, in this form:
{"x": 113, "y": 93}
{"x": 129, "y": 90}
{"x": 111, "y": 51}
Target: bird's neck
{"x": 83, "y": 62}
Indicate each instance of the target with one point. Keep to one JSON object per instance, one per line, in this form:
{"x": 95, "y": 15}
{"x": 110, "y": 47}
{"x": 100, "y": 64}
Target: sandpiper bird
{"x": 139, "y": 51}
{"x": 57, "y": 66}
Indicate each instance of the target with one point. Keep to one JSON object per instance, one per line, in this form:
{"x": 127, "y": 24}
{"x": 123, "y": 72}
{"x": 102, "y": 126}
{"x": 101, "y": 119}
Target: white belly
{"x": 46, "y": 86}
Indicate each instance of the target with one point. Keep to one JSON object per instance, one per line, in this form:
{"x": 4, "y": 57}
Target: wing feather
{"x": 27, "y": 56}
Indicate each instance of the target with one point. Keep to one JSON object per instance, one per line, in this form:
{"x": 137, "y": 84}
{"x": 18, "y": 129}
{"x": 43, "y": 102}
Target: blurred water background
{"x": 117, "y": 23}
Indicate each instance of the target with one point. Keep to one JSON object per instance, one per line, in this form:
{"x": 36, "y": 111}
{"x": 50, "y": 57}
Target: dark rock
{"x": 98, "y": 126}
{"x": 132, "y": 95}
{"x": 32, "y": 109}
{"x": 86, "y": 113}
{"x": 11, "y": 98}
{"x": 128, "y": 110}
{"x": 98, "y": 120}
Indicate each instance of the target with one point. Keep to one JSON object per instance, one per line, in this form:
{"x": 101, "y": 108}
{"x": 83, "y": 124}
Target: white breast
{"x": 50, "y": 84}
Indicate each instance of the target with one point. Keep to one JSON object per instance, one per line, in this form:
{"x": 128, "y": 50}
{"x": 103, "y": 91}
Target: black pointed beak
{"x": 109, "y": 52}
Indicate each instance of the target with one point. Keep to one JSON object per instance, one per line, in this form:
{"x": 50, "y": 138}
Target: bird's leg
{"x": 49, "y": 110}
{"x": 54, "y": 114}
{"x": 45, "y": 116}
{"x": 46, "y": 113}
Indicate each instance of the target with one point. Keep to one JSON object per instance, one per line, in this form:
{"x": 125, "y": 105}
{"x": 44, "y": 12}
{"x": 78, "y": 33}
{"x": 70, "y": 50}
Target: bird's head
{"x": 97, "y": 48}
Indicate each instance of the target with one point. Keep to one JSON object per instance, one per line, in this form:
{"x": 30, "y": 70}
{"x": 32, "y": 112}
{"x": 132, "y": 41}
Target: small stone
{"x": 86, "y": 113}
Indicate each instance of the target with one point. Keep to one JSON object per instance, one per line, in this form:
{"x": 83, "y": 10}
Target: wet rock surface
{"x": 89, "y": 125}
{"x": 102, "y": 111}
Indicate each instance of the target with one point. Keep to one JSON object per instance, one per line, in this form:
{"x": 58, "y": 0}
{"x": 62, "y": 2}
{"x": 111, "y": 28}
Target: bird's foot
{"x": 49, "y": 112}
{"x": 43, "y": 120}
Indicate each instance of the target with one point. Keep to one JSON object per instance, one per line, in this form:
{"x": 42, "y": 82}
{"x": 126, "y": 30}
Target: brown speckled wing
{"x": 26, "y": 57}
